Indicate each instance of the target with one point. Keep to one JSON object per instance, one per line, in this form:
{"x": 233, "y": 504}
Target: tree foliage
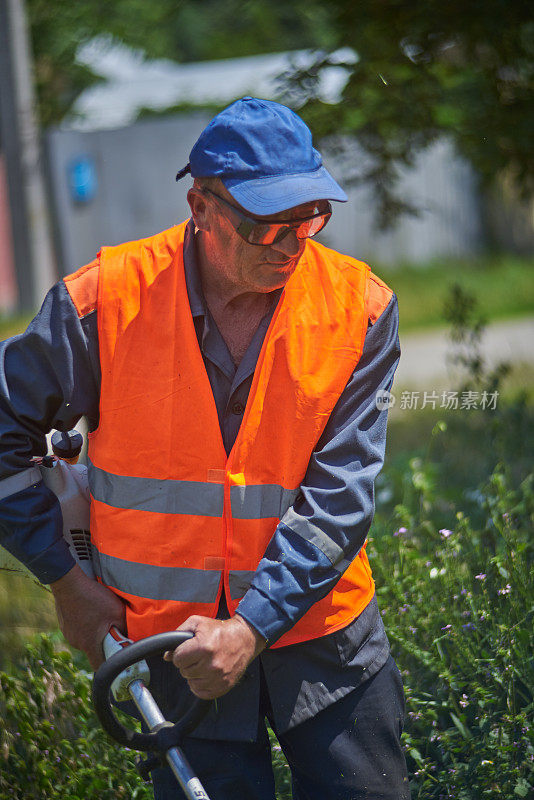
{"x": 183, "y": 30}
{"x": 420, "y": 70}
{"x": 425, "y": 70}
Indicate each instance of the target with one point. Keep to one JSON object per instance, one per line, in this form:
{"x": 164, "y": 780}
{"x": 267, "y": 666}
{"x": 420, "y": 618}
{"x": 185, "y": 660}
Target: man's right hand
{"x": 86, "y": 610}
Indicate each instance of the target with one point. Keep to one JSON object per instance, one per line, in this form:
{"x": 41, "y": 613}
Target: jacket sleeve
{"x": 47, "y": 380}
{"x": 329, "y": 522}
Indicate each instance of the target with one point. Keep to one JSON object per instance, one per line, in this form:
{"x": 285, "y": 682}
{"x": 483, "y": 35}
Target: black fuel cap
{"x": 67, "y": 444}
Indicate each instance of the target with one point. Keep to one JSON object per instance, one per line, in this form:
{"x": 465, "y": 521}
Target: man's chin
{"x": 278, "y": 275}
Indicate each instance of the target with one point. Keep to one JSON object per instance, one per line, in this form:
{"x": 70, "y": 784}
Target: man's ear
{"x": 199, "y": 209}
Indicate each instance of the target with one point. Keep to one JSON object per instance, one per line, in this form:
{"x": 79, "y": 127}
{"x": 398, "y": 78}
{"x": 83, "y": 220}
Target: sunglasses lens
{"x": 266, "y": 233}
{"x": 263, "y": 233}
{"x": 312, "y": 226}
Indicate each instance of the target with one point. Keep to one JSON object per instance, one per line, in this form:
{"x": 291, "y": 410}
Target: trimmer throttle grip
{"x": 170, "y": 735}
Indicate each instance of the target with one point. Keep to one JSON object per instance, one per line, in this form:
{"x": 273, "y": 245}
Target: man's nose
{"x": 289, "y": 244}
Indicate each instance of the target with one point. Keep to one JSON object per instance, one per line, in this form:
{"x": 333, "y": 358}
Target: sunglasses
{"x": 256, "y": 231}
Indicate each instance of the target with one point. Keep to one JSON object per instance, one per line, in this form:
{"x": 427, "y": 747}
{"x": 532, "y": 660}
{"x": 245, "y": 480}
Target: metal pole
{"x": 176, "y": 760}
{"x": 11, "y": 147}
{"x": 20, "y": 136}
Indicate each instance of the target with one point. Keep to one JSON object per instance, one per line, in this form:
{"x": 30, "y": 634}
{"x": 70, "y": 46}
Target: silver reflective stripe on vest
{"x": 153, "y": 494}
{"x": 22, "y": 480}
{"x": 261, "y": 501}
{"x": 303, "y": 527}
{"x": 157, "y": 583}
{"x": 240, "y": 580}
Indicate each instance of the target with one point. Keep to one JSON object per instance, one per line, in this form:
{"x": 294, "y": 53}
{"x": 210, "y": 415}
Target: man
{"x": 229, "y": 369}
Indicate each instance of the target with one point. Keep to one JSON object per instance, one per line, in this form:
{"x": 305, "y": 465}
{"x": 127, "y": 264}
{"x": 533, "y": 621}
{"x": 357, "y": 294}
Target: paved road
{"x": 423, "y": 361}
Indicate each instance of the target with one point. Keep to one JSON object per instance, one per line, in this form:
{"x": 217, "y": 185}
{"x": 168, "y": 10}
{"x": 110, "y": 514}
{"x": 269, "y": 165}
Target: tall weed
{"x": 458, "y": 604}
{"x": 51, "y": 744}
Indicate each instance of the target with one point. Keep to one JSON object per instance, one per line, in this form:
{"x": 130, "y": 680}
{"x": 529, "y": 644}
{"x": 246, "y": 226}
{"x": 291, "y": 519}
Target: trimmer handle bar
{"x": 167, "y": 735}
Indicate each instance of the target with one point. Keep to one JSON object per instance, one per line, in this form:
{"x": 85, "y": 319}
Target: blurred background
{"x": 424, "y": 112}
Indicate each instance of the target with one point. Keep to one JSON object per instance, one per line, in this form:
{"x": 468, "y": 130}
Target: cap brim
{"x": 264, "y": 196}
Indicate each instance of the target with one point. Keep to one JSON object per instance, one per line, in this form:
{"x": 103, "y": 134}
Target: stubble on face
{"x": 235, "y": 266}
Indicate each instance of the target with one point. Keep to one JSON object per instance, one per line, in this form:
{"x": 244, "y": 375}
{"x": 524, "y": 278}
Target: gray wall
{"x": 137, "y": 195}
{"x": 443, "y": 188}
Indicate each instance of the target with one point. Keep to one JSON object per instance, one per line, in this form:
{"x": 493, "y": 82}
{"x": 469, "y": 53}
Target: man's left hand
{"x": 216, "y": 657}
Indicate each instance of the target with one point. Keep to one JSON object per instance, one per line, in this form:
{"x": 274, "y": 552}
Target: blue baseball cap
{"x": 263, "y": 153}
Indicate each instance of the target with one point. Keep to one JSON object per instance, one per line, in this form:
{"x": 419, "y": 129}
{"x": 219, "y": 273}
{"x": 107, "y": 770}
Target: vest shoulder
{"x": 326, "y": 255}
{"x": 378, "y": 297}
{"x": 158, "y": 244}
{"x": 130, "y": 264}
{"x": 82, "y": 287}
{"x": 378, "y": 293}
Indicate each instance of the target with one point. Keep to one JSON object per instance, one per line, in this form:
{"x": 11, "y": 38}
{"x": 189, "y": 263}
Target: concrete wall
{"x": 136, "y": 195}
{"x": 443, "y": 188}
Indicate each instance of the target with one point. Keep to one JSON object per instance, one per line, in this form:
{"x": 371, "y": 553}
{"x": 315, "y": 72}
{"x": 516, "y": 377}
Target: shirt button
{"x": 238, "y": 408}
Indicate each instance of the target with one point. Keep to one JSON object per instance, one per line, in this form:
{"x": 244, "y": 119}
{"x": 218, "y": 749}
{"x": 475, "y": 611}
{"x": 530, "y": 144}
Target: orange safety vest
{"x": 171, "y": 514}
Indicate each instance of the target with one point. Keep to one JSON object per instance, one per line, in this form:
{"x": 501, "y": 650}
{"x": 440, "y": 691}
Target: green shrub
{"x": 458, "y": 605}
{"x": 51, "y": 743}
{"x": 26, "y": 608}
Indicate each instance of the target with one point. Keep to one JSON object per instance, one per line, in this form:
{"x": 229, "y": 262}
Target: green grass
{"x": 12, "y": 325}
{"x": 26, "y": 608}
{"x": 503, "y": 286}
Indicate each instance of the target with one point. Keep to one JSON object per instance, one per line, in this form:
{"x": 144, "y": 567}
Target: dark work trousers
{"x": 349, "y": 751}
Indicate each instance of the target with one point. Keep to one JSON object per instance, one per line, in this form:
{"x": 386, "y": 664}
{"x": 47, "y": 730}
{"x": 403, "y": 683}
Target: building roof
{"x": 132, "y": 82}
